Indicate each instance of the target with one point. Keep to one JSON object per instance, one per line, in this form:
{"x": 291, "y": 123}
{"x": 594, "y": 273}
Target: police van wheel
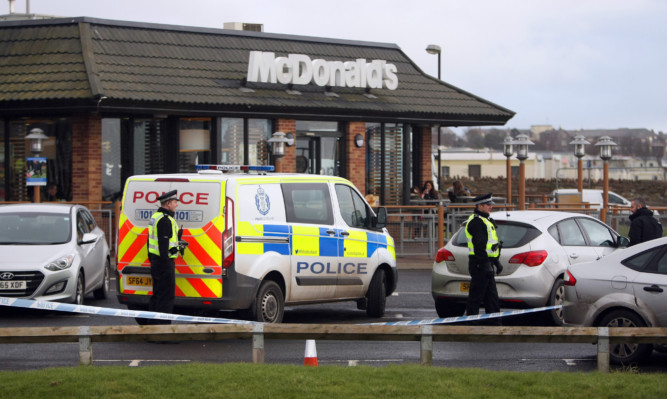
{"x": 270, "y": 303}
{"x": 377, "y": 295}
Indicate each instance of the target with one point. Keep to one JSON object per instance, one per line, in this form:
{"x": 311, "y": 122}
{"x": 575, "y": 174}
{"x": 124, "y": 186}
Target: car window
{"x": 307, "y": 203}
{"x": 88, "y": 219}
{"x": 514, "y": 235}
{"x": 598, "y": 234}
{"x": 81, "y": 225}
{"x": 553, "y": 230}
{"x": 662, "y": 263}
{"x": 33, "y": 228}
{"x": 642, "y": 259}
{"x": 352, "y": 207}
{"x": 615, "y": 199}
{"x": 570, "y": 233}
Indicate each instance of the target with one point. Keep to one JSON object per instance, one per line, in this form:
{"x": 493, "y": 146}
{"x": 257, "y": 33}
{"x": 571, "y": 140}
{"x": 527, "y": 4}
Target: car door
{"x": 601, "y": 239}
{"x": 358, "y": 259}
{"x": 570, "y": 236}
{"x": 650, "y": 286}
{"x": 92, "y": 254}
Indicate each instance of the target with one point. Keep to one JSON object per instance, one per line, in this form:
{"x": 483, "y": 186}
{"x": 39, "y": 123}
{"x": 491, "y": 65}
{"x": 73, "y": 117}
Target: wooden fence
{"x": 425, "y": 334}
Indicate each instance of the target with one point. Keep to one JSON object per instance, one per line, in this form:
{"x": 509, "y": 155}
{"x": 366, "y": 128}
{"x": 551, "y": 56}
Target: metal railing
{"x": 426, "y": 335}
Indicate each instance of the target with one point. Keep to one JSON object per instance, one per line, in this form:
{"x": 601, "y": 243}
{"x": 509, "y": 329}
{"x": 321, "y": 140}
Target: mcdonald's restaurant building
{"x": 116, "y": 98}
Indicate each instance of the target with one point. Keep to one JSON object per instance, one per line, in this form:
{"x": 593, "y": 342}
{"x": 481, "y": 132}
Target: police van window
{"x": 352, "y": 206}
{"x": 307, "y": 203}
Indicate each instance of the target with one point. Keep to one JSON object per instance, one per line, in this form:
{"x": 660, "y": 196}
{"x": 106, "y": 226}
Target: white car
{"x": 52, "y": 252}
{"x": 538, "y": 246}
{"x": 626, "y": 289}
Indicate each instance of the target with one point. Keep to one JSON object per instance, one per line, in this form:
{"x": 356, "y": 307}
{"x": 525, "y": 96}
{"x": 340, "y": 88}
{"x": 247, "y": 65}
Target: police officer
{"x": 483, "y": 251}
{"x": 163, "y": 237}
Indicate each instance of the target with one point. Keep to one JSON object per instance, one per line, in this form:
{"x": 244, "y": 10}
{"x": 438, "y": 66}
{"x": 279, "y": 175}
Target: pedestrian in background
{"x": 162, "y": 252}
{"x": 483, "y": 253}
{"x": 643, "y": 226}
{"x": 428, "y": 191}
{"x": 457, "y": 192}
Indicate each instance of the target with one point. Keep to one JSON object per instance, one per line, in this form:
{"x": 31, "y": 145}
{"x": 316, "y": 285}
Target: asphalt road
{"x": 412, "y": 301}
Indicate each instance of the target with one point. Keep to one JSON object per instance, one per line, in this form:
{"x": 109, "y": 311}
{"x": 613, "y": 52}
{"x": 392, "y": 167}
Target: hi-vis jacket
{"x": 492, "y": 247}
{"x": 314, "y": 236}
{"x": 153, "y": 246}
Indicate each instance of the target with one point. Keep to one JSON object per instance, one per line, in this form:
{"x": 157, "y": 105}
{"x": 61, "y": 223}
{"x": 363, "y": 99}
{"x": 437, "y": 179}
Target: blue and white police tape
{"x": 96, "y": 310}
{"x": 142, "y": 314}
{"x": 448, "y": 320}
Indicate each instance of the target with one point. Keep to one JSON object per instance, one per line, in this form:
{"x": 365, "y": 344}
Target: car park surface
{"x": 52, "y": 252}
{"x": 538, "y": 246}
{"x": 625, "y": 289}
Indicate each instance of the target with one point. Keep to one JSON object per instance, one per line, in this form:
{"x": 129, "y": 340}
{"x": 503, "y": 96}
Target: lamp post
{"x": 36, "y": 138}
{"x": 579, "y": 152}
{"x": 508, "y": 151}
{"x": 435, "y": 49}
{"x": 605, "y": 145}
{"x": 279, "y": 141}
{"x": 522, "y": 142}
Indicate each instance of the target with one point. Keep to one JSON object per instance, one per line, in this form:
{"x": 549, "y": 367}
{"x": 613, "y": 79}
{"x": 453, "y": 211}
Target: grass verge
{"x": 244, "y": 380}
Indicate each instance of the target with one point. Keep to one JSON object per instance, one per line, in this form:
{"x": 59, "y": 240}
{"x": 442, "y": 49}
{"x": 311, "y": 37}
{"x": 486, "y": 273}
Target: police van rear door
{"x": 314, "y": 241}
{"x": 199, "y": 269}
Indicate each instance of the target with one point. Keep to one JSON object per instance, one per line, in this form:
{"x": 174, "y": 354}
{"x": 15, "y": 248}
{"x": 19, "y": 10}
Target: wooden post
{"x": 580, "y": 175}
{"x": 441, "y": 227}
{"x": 426, "y": 345}
{"x": 522, "y": 186}
{"x": 509, "y": 181}
{"x": 605, "y": 192}
{"x": 603, "y": 349}
{"x": 258, "y": 343}
{"x": 85, "y": 348}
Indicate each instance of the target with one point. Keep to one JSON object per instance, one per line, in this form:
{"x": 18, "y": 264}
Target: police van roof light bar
{"x": 234, "y": 168}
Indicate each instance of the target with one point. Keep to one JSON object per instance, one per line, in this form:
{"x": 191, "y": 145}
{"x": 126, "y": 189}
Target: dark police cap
{"x": 484, "y": 199}
{"x": 169, "y": 195}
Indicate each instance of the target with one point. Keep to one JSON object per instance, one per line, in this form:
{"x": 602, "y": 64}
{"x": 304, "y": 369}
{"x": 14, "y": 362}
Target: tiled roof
{"x": 185, "y": 68}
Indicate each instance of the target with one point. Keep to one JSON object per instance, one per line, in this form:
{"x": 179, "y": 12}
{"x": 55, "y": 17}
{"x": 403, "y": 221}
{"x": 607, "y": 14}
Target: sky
{"x": 571, "y": 64}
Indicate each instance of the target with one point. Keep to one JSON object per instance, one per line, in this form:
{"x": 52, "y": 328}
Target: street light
{"x": 508, "y": 151}
{"x": 279, "y": 140}
{"x": 522, "y": 142}
{"x": 36, "y": 138}
{"x": 605, "y": 145}
{"x": 435, "y": 49}
{"x": 579, "y": 152}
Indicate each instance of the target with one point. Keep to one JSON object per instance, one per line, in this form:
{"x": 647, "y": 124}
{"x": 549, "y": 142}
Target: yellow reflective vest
{"x": 153, "y": 247}
{"x": 492, "y": 247}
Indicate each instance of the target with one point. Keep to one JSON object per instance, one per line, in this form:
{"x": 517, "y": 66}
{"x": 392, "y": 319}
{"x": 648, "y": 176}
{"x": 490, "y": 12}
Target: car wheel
{"x": 449, "y": 309}
{"x": 103, "y": 291}
{"x": 270, "y": 303}
{"x": 626, "y": 353}
{"x": 78, "y": 296}
{"x": 557, "y": 297}
{"x": 377, "y": 295}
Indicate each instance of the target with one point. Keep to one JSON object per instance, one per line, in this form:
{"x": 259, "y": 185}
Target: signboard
{"x": 35, "y": 171}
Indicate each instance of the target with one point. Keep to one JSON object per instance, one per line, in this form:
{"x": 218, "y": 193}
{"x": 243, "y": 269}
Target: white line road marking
{"x": 136, "y": 362}
{"x": 411, "y": 293}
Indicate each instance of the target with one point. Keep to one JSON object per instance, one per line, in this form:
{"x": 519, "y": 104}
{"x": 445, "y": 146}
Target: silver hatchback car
{"x": 626, "y": 289}
{"x": 52, "y": 252}
{"x": 538, "y": 246}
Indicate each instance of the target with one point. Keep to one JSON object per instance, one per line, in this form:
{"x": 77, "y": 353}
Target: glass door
{"x": 318, "y": 154}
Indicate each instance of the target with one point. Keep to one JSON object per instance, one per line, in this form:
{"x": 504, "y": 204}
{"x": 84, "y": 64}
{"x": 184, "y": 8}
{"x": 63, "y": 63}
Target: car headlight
{"x": 61, "y": 263}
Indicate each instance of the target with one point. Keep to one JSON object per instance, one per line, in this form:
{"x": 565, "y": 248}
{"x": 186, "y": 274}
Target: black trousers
{"x": 164, "y": 287}
{"x": 482, "y": 290}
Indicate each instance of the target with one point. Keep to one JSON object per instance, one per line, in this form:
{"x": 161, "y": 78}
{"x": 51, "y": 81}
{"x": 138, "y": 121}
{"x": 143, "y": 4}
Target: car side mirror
{"x": 88, "y": 238}
{"x": 381, "y": 218}
{"x": 623, "y": 242}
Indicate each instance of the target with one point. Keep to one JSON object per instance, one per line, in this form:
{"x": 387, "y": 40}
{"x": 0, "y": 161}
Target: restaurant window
{"x": 259, "y": 132}
{"x": 18, "y": 180}
{"x": 3, "y": 168}
{"x": 195, "y": 143}
{"x": 111, "y": 160}
{"x": 232, "y": 134}
{"x": 384, "y": 162}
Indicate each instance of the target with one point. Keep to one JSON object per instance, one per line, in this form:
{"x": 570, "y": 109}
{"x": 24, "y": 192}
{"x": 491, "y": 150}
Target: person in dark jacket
{"x": 429, "y": 192}
{"x": 643, "y": 226}
{"x": 483, "y": 252}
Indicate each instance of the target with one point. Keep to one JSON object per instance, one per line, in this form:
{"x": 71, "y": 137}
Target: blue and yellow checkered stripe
{"x": 311, "y": 241}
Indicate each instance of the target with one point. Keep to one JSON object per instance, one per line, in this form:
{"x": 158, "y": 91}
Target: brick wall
{"x": 288, "y": 163}
{"x": 424, "y": 163}
{"x": 356, "y": 157}
{"x": 87, "y": 158}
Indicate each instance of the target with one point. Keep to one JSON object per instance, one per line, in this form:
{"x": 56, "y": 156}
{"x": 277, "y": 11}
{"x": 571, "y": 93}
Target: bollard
{"x": 426, "y": 344}
{"x": 85, "y": 348}
{"x": 258, "y": 343}
{"x": 603, "y": 349}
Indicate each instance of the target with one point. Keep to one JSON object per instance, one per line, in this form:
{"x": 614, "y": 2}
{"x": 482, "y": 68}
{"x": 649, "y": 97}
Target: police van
{"x": 259, "y": 241}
